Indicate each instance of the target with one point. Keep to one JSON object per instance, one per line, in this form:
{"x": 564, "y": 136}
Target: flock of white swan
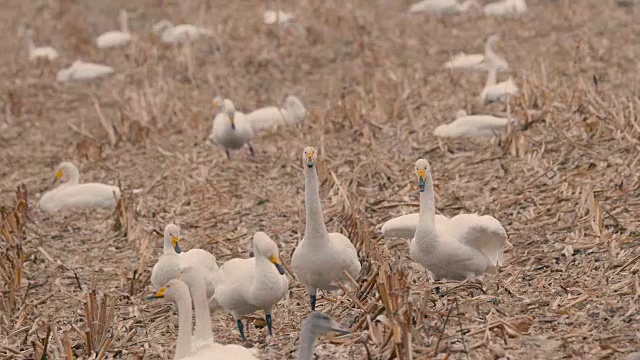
{"x": 466, "y": 246}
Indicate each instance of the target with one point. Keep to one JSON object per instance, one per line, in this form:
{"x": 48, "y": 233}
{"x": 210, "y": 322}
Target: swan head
{"x": 161, "y": 26}
{"x": 65, "y": 172}
{"x": 172, "y": 235}
{"x": 493, "y": 41}
{"x": 318, "y": 323}
{"x": 422, "y": 169}
{"x": 264, "y": 246}
{"x": 171, "y": 291}
{"x": 294, "y": 104}
{"x": 217, "y": 102}
{"x": 309, "y": 157}
{"x": 230, "y": 110}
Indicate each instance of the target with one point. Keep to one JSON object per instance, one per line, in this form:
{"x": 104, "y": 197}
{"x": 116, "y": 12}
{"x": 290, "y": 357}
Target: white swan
{"x": 271, "y": 17}
{"x": 443, "y": 7}
{"x": 313, "y": 326}
{"x": 321, "y": 257}
{"x": 177, "y": 292}
{"x": 168, "y": 265}
{"x": 231, "y": 129}
{"x": 472, "y": 125}
{"x": 116, "y": 38}
{"x": 272, "y": 116}
{"x": 496, "y": 92}
{"x": 479, "y": 62}
{"x": 72, "y": 194}
{"x": 505, "y": 7}
{"x": 81, "y": 70}
{"x": 249, "y": 285}
{"x": 463, "y": 247}
{"x": 172, "y": 34}
{"x": 42, "y": 52}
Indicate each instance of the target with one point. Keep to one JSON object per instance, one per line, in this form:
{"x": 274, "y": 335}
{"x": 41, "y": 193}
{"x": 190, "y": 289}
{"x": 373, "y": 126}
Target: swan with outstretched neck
{"x": 314, "y": 325}
{"x": 321, "y": 258}
{"x": 463, "y": 247}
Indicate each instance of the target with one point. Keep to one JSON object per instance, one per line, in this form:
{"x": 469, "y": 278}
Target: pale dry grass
{"x": 564, "y": 182}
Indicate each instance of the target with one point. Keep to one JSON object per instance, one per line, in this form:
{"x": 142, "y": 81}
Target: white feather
{"x": 116, "y": 38}
{"x": 81, "y": 70}
{"x": 472, "y": 126}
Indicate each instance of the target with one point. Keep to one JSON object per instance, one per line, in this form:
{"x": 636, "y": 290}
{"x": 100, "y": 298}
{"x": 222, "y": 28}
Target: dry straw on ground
{"x": 565, "y": 182}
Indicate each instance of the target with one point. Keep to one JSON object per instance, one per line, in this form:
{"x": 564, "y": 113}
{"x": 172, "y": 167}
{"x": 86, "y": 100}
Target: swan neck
{"x": 425, "y": 230}
{"x": 313, "y": 208}
{"x": 201, "y": 306}
{"x": 307, "y": 342}
{"x": 183, "y": 345}
{"x": 124, "y": 26}
{"x": 491, "y": 76}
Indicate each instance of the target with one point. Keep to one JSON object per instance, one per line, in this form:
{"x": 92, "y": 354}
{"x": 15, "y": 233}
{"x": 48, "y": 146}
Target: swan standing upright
{"x": 272, "y": 116}
{"x": 72, "y": 194}
{"x": 231, "y": 129}
{"x": 496, "y": 92}
{"x": 480, "y": 62}
{"x": 320, "y": 258}
{"x": 116, "y": 38}
{"x": 178, "y": 292}
{"x": 463, "y": 247}
{"x": 248, "y": 285}
{"x": 38, "y": 53}
{"x": 168, "y": 265}
{"x": 314, "y": 325}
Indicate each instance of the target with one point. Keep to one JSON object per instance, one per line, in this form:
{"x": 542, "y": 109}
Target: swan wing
{"x": 346, "y": 255}
{"x": 405, "y": 226}
{"x": 483, "y": 233}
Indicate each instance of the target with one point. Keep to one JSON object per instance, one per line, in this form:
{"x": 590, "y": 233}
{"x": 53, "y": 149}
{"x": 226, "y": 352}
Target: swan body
{"x": 72, "y": 194}
{"x": 498, "y": 92}
{"x": 313, "y": 326}
{"x": 178, "y": 292}
{"x": 272, "y": 116}
{"x": 472, "y": 126}
{"x": 443, "y": 7}
{"x": 463, "y": 247}
{"x": 320, "y": 259}
{"x": 39, "y": 53}
{"x": 505, "y": 7}
{"x": 270, "y": 17}
{"x": 479, "y": 62}
{"x": 174, "y": 34}
{"x": 248, "y": 285}
{"x": 116, "y": 38}
{"x": 231, "y": 129}
{"x": 81, "y": 70}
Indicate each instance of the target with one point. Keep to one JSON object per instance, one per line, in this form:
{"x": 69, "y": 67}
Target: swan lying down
{"x": 71, "y": 194}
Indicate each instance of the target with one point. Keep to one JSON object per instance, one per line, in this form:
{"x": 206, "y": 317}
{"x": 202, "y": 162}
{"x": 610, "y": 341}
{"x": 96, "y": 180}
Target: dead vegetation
{"x": 564, "y": 181}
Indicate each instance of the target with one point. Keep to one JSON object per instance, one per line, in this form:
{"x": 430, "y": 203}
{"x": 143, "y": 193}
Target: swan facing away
{"x": 71, "y": 194}
{"x": 116, "y": 38}
{"x": 505, "y": 7}
{"x": 463, "y": 247}
{"x": 493, "y": 91}
{"x": 472, "y": 126}
{"x": 272, "y": 116}
{"x": 231, "y": 129}
{"x": 174, "y": 34}
{"x": 181, "y": 293}
{"x": 479, "y": 62}
{"x": 443, "y": 7}
{"x": 81, "y": 70}
{"x": 39, "y": 53}
{"x": 314, "y": 325}
{"x": 320, "y": 258}
{"x": 271, "y": 17}
{"x": 248, "y": 285}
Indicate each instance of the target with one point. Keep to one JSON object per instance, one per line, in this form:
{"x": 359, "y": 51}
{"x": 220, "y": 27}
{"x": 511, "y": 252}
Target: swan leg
{"x": 241, "y": 329}
{"x": 228, "y": 155}
{"x": 312, "y": 298}
{"x": 251, "y": 149}
{"x": 270, "y": 324}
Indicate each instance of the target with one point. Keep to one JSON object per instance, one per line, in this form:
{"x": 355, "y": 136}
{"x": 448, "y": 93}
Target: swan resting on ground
{"x": 38, "y": 53}
{"x": 271, "y": 17}
{"x": 314, "y": 325}
{"x": 231, "y": 129}
{"x": 479, "y": 62}
{"x": 116, "y": 38}
{"x": 172, "y": 34}
{"x": 178, "y": 292}
{"x": 81, "y": 70}
{"x": 272, "y": 116}
{"x": 472, "y": 126}
{"x": 505, "y": 7}
{"x": 443, "y": 7}
{"x": 321, "y": 257}
{"x": 248, "y": 285}
{"x": 71, "y": 194}
{"x": 463, "y": 247}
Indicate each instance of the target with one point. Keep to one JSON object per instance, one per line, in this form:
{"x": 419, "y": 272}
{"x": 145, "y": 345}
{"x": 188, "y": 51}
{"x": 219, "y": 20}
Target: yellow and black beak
{"x": 309, "y": 159}
{"x": 422, "y": 179}
{"x": 176, "y": 246}
{"x": 214, "y": 104}
{"x": 275, "y": 261}
{"x": 158, "y": 295}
